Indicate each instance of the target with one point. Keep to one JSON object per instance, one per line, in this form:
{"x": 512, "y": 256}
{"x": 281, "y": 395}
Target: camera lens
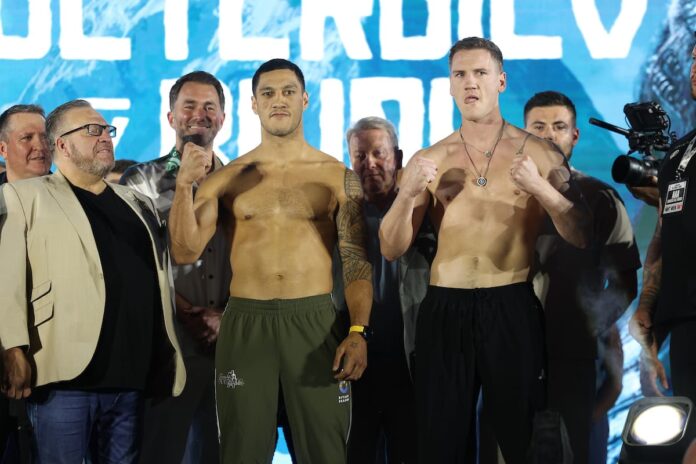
{"x": 632, "y": 171}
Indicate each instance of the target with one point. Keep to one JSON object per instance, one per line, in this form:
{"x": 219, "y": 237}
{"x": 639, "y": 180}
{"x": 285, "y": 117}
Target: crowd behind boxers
{"x": 180, "y": 309}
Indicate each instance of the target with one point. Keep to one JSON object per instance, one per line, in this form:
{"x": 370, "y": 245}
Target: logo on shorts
{"x": 343, "y": 392}
{"x": 230, "y": 380}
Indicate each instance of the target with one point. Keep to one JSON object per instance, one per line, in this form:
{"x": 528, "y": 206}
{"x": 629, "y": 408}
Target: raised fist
{"x": 195, "y": 163}
{"x": 418, "y": 173}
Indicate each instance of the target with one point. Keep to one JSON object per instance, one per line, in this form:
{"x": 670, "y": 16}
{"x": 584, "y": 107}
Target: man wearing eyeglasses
{"x": 85, "y": 299}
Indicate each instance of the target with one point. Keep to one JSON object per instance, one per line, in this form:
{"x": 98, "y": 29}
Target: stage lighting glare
{"x": 658, "y": 425}
{"x": 657, "y": 431}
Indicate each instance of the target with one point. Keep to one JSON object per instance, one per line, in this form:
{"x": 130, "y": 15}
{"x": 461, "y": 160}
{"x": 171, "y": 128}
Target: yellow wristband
{"x": 356, "y": 328}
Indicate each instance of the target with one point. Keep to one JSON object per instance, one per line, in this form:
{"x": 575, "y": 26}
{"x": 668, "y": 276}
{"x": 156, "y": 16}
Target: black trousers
{"x": 184, "y": 426}
{"x": 6, "y": 425}
{"x": 467, "y": 339}
{"x": 383, "y": 403}
{"x": 15, "y": 432}
{"x": 572, "y": 392}
{"x": 682, "y": 359}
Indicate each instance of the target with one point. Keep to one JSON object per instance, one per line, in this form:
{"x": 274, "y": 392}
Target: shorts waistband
{"x": 503, "y": 290}
{"x": 277, "y": 305}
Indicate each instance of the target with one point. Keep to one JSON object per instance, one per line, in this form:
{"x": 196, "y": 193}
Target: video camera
{"x": 649, "y": 128}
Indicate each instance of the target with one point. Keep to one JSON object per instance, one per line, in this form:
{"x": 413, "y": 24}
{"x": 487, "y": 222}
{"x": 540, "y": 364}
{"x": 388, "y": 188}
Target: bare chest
{"x": 464, "y": 205}
{"x": 463, "y": 184}
{"x": 285, "y": 195}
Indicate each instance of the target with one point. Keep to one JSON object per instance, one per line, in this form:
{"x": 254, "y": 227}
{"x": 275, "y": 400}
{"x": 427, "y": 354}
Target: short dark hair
{"x": 549, "y": 98}
{"x": 477, "y": 43}
{"x": 55, "y": 118}
{"x": 274, "y": 65}
{"x": 5, "y": 116}
{"x": 120, "y": 165}
{"x": 200, "y": 77}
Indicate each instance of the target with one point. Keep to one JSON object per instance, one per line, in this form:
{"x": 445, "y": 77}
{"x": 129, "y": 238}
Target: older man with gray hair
{"x": 383, "y": 399}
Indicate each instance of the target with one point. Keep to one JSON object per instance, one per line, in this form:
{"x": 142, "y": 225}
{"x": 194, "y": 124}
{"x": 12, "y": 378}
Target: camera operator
{"x": 649, "y": 194}
{"x": 669, "y": 270}
{"x": 648, "y": 123}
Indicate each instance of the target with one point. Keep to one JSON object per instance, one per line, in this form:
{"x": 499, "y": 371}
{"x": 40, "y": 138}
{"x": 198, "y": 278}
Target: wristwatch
{"x": 363, "y": 330}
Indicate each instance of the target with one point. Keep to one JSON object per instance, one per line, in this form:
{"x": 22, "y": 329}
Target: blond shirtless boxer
{"x": 285, "y": 205}
{"x": 487, "y": 187}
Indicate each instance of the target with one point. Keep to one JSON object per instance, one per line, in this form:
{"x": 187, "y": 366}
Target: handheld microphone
{"x": 196, "y": 139}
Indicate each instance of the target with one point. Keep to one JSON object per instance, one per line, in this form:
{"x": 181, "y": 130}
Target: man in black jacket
{"x": 669, "y": 271}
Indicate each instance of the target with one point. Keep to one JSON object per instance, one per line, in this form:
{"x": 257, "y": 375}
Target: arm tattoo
{"x": 651, "y": 282}
{"x": 652, "y": 272}
{"x": 352, "y": 233}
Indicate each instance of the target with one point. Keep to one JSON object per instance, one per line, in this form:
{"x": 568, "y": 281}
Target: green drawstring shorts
{"x": 267, "y": 344}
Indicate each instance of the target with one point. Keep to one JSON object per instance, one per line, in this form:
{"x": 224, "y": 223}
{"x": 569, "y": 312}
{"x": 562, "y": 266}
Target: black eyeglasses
{"x": 94, "y": 130}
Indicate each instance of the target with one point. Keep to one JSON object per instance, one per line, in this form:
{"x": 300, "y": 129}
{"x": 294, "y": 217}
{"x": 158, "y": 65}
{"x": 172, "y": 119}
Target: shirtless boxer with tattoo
{"x": 285, "y": 206}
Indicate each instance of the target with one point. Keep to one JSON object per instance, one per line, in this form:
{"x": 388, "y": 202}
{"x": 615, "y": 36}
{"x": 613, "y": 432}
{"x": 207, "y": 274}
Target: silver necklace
{"x": 481, "y": 179}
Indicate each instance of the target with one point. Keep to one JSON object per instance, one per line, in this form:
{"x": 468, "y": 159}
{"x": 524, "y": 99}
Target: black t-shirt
{"x": 571, "y": 282}
{"x": 123, "y": 353}
{"x": 677, "y": 300}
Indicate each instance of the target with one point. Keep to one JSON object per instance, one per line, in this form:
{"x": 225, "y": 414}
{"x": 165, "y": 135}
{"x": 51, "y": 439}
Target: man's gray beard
{"x": 90, "y": 166}
{"x": 93, "y": 167}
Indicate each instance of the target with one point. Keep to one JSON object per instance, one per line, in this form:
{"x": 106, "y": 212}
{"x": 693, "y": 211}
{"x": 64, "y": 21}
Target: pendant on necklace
{"x": 481, "y": 181}
{"x": 487, "y": 154}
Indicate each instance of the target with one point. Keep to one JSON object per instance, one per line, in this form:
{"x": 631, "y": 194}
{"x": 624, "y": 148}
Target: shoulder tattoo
{"x": 352, "y": 185}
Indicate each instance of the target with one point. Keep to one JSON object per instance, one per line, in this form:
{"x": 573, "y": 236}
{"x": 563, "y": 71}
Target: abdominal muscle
{"x": 485, "y": 249}
{"x": 473, "y": 272}
{"x": 280, "y": 259}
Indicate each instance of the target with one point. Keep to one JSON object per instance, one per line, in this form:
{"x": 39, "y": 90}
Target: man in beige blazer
{"x": 85, "y": 298}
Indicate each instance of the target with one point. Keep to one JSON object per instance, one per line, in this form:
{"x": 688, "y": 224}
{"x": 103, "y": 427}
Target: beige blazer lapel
{"x": 60, "y": 189}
